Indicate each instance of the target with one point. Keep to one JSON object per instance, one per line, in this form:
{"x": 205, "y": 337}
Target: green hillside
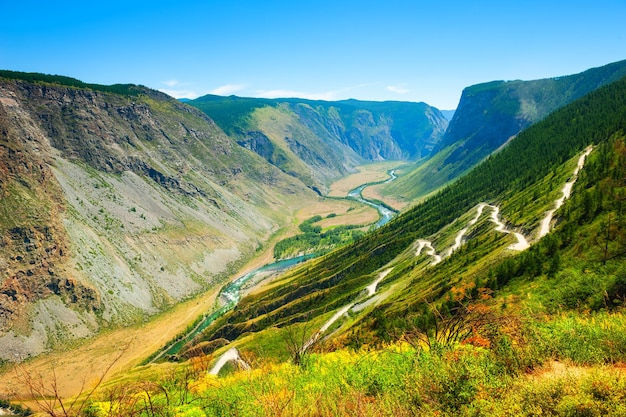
{"x": 486, "y": 329}
{"x": 488, "y": 116}
{"x": 319, "y": 141}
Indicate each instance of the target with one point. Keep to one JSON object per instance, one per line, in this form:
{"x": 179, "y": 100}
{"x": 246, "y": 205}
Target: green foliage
{"x": 33, "y": 77}
{"x": 14, "y": 409}
{"x": 592, "y": 339}
{"x": 307, "y": 225}
{"x": 314, "y": 240}
{"x": 459, "y": 380}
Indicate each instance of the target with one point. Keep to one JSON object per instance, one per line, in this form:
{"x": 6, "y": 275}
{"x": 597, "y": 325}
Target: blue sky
{"x": 330, "y": 50}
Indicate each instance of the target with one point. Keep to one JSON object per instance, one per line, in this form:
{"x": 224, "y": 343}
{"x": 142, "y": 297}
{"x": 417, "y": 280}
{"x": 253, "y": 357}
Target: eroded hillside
{"x": 117, "y": 205}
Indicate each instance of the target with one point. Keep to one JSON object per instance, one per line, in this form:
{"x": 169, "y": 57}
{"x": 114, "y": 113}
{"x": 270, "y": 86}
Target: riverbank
{"x": 114, "y": 352}
{"x": 231, "y": 293}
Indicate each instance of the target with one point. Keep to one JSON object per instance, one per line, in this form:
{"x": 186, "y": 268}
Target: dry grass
{"x": 374, "y": 193}
{"x": 79, "y": 366}
{"x": 347, "y": 212}
{"x": 367, "y": 173}
{"x": 88, "y": 361}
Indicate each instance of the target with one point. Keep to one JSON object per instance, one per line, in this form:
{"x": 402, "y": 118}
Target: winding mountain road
{"x": 426, "y": 246}
{"x": 566, "y": 191}
{"x": 522, "y": 243}
{"x": 231, "y": 355}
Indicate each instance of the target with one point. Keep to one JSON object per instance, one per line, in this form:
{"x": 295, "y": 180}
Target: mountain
{"x": 519, "y": 184}
{"x": 320, "y": 141}
{"x": 118, "y": 202}
{"x": 491, "y": 114}
{"x": 448, "y": 114}
{"x": 501, "y": 294}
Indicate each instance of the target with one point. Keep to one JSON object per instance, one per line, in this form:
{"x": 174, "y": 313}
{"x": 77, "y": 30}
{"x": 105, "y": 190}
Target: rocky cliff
{"x": 116, "y": 206}
{"x": 489, "y": 115}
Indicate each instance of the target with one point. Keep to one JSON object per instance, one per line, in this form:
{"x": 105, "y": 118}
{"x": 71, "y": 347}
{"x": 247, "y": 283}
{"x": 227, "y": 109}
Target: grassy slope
{"x": 539, "y": 342}
{"x": 488, "y": 116}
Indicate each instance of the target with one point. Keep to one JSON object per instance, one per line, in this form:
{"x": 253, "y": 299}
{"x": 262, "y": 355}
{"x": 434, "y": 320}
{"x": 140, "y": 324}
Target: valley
{"x": 452, "y": 265}
{"x": 125, "y": 348}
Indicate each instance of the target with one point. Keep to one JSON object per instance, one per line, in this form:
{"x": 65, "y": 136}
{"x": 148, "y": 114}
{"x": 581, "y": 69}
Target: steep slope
{"x": 491, "y": 114}
{"x": 442, "y": 312}
{"x": 518, "y": 185}
{"x": 319, "y": 141}
{"x": 118, "y": 201}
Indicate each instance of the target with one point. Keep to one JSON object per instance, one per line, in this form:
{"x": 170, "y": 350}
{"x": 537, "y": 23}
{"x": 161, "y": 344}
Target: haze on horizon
{"x": 396, "y": 50}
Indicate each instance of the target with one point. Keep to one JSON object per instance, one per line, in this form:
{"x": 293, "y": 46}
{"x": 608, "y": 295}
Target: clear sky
{"x": 369, "y": 50}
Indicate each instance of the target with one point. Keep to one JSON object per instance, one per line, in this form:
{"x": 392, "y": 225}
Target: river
{"x": 385, "y": 213}
{"x": 231, "y": 293}
{"x": 229, "y": 296}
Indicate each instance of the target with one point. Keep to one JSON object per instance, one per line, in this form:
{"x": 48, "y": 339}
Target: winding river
{"x": 385, "y": 213}
{"x": 228, "y": 298}
{"x": 231, "y": 293}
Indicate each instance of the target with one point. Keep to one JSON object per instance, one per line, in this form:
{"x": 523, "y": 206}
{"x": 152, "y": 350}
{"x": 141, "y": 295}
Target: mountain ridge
{"x": 328, "y": 138}
{"x": 488, "y": 116}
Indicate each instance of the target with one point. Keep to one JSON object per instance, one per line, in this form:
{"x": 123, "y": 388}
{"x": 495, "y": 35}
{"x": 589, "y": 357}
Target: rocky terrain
{"x": 116, "y": 206}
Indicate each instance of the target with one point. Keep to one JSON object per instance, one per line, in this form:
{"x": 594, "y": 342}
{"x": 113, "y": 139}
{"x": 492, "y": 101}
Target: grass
{"x": 489, "y": 377}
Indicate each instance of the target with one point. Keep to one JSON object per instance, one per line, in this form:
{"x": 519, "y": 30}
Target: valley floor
{"x": 81, "y": 365}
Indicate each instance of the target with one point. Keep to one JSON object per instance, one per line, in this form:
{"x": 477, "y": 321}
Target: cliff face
{"x": 491, "y": 114}
{"x": 117, "y": 206}
{"x": 34, "y": 244}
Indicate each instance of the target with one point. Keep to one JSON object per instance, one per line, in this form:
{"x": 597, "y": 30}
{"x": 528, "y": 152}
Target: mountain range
{"x": 120, "y": 202}
{"x": 320, "y": 141}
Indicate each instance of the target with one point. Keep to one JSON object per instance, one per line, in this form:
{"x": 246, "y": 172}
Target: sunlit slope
{"x": 522, "y": 180}
{"x": 491, "y": 114}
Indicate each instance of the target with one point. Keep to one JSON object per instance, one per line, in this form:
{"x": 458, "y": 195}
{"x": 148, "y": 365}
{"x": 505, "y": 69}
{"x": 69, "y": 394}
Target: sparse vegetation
{"x": 34, "y": 77}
